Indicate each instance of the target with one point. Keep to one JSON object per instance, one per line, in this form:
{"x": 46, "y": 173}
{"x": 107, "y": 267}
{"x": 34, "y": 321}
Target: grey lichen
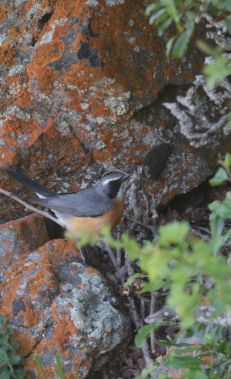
{"x": 90, "y": 303}
{"x": 94, "y": 315}
{"x": 92, "y": 3}
{"x": 202, "y": 113}
{"x": 111, "y": 3}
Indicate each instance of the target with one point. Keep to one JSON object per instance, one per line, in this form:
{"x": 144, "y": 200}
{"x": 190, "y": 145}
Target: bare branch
{"x": 28, "y": 206}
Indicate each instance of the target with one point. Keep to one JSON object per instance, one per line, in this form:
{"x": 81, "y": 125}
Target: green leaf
{"x": 153, "y": 286}
{"x": 132, "y": 279}
{"x": 146, "y": 372}
{"x": 227, "y": 161}
{"x": 40, "y": 368}
{"x": 143, "y": 333}
{"x": 173, "y": 233}
{"x": 228, "y": 24}
{"x": 217, "y": 70}
{"x": 60, "y": 370}
{"x": 3, "y": 358}
{"x": 179, "y": 362}
{"x": 173, "y": 13}
{"x": 224, "y": 5}
{"x": 207, "y": 49}
{"x": 219, "y": 178}
{"x": 15, "y": 359}
{"x": 20, "y": 373}
{"x": 164, "y": 26}
{"x": 182, "y": 41}
{"x": 131, "y": 247}
{"x": 169, "y": 45}
{"x": 220, "y": 209}
{"x": 5, "y": 374}
{"x": 158, "y": 17}
{"x": 151, "y": 8}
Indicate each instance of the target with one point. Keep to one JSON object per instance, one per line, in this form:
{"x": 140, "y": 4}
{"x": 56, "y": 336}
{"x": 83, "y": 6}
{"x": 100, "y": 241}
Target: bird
{"x": 87, "y": 211}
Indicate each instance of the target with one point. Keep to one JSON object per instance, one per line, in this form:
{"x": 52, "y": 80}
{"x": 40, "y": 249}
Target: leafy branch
{"x": 179, "y": 17}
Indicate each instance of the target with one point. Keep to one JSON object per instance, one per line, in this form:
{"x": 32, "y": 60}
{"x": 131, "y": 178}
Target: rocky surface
{"x": 81, "y": 84}
{"x": 56, "y": 304}
{"x": 202, "y": 114}
{"x": 18, "y": 237}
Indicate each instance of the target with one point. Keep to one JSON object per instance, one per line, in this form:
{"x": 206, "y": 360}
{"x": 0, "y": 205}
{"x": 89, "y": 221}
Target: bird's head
{"x": 110, "y": 183}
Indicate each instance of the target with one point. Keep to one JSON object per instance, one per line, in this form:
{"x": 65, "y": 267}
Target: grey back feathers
{"x": 86, "y": 203}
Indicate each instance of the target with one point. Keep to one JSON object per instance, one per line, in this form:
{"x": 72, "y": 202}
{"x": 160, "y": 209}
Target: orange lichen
{"x": 111, "y": 26}
{"x": 102, "y": 156}
{"x": 62, "y": 323}
{"x": 34, "y": 280}
{"x": 16, "y": 32}
{"x": 13, "y": 130}
{"x": 17, "y": 87}
{"x": 26, "y": 342}
{"x": 28, "y": 5}
{"x": 91, "y": 270}
{"x": 7, "y": 157}
{"x": 7, "y": 54}
{"x": 5, "y": 11}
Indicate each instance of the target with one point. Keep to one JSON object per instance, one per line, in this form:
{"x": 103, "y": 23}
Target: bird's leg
{"x": 81, "y": 253}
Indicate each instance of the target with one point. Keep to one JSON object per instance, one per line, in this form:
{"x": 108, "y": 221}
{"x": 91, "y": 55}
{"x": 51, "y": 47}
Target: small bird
{"x": 87, "y": 211}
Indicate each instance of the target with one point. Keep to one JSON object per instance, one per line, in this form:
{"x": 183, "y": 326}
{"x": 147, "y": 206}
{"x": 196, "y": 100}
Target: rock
{"x": 18, "y": 237}
{"x": 56, "y": 304}
{"x": 80, "y": 81}
{"x": 86, "y": 85}
{"x": 198, "y": 125}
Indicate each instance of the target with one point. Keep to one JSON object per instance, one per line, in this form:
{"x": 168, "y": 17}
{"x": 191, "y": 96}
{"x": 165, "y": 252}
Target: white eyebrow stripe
{"x": 106, "y": 181}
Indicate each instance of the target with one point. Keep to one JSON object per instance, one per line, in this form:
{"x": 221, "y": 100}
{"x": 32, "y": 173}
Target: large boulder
{"x": 57, "y": 304}
{"x": 80, "y": 86}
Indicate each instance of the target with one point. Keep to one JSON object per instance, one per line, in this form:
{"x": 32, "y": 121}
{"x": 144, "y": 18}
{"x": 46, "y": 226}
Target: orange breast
{"x": 94, "y": 225}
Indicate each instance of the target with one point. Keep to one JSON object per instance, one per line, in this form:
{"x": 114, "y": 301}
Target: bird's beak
{"x": 124, "y": 175}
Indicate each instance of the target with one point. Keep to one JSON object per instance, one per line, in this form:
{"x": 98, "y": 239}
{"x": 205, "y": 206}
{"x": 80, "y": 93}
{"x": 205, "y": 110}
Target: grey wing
{"x": 86, "y": 203}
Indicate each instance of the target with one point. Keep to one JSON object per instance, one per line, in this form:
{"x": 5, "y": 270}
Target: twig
{"x": 142, "y": 308}
{"x": 118, "y": 254}
{"x": 130, "y": 269}
{"x": 112, "y": 258}
{"x": 152, "y": 310}
{"x": 28, "y": 206}
{"x": 146, "y": 202}
{"x": 134, "y": 313}
{"x": 148, "y": 360}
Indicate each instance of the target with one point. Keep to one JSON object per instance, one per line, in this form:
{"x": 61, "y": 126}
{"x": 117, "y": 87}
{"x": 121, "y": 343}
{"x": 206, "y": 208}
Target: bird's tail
{"x": 41, "y": 191}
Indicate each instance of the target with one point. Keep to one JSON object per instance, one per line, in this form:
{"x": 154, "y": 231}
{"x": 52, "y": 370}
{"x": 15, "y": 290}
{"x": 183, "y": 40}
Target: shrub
{"x": 182, "y": 16}
{"x": 196, "y": 277}
{"x": 10, "y": 361}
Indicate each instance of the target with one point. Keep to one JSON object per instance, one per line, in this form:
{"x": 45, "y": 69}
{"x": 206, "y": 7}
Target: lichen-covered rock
{"x": 83, "y": 87}
{"x": 56, "y": 304}
{"x": 18, "y": 237}
{"x": 202, "y": 114}
{"x": 75, "y": 78}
